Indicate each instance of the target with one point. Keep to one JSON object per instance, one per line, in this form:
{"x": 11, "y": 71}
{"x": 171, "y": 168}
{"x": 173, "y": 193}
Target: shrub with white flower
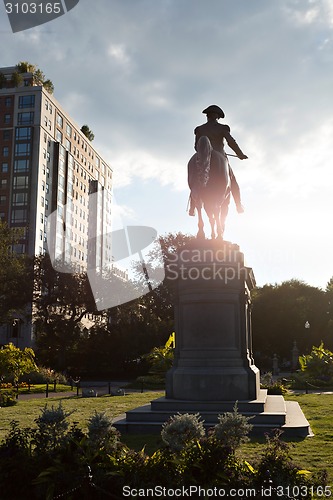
{"x": 233, "y": 429}
{"x": 181, "y": 429}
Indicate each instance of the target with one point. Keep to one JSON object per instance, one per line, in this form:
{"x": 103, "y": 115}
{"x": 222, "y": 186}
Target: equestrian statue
{"x": 210, "y": 176}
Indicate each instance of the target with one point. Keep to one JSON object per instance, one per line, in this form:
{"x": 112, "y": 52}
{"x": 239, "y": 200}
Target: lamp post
{"x": 15, "y": 330}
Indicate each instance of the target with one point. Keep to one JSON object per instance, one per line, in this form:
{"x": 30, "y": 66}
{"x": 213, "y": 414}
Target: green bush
{"x": 273, "y": 386}
{"x": 52, "y": 426}
{"x": 53, "y": 460}
{"x": 101, "y": 433}
{"x": 7, "y": 398}
{"x": 232, "y": 430}
{"x": 277, "y": 469}
{"x": 44, "y": 376}
{"x": 318, "y": 365}
{"x": 181, "y": 429}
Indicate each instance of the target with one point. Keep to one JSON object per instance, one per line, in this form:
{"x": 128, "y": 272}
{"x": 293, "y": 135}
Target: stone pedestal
{"x": 213, "y": 366}
{"x": 213, "y": 354}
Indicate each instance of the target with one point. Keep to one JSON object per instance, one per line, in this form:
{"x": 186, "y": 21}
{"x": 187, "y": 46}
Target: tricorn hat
{"x": 214, "y": 109}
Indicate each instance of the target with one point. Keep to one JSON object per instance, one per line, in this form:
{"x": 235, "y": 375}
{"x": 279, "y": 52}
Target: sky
{"x": 140, "y": 72}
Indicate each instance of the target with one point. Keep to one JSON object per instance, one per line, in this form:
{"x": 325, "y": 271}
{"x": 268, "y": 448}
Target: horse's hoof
{"x": 200, "y": 235}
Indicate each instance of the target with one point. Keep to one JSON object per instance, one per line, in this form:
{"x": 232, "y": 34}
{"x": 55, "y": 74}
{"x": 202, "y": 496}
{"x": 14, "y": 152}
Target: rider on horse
{"x": 216, "y": 133}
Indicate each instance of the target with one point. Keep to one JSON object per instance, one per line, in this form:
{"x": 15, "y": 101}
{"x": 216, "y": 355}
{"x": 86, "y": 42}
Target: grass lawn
{"x": 314, "y": 453}
{"x": 26, "y": 411}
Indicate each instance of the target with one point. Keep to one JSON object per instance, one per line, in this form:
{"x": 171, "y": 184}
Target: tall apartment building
{"x": 49, "y": 170}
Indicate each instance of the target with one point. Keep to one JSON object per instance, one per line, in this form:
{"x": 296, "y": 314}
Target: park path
{"x": 41, "y": 395}
{"x": 101, "y": 388}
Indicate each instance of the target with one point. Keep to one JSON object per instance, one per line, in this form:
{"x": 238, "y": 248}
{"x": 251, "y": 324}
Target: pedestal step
{"x": 277, "y": 413}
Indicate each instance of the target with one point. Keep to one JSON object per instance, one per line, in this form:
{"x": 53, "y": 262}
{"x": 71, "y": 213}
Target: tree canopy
{"x": 38, "y": 76}
{"x": 15, "y": 275}
{"x": 288, "y": 312}
{"x": 87, "y": 132}
{"x": 15, "y": 362}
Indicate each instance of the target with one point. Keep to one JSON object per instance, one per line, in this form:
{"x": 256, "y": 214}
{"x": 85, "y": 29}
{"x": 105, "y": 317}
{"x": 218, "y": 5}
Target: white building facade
{"x": 49, "y": 171}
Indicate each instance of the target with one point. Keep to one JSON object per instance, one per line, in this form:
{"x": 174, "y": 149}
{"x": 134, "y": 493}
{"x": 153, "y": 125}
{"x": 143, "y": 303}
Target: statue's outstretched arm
{"x": 234, "y": 146}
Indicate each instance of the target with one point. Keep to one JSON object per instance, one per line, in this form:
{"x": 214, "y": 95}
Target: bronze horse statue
{"x": 210, "y": 185}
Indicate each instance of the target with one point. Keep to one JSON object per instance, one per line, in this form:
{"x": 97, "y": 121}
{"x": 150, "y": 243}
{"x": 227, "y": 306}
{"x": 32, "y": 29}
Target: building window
{"x": 21, "y": 181}
{"x": 25, "y": 118}
{"x": 5, "y": 151}
{"x": 8, "y": 102}
{"x": 7, "y": 118}
{"x": 3, "y": 183}
{"x": 60, "y": 121}
{"x": 22, "y": 149}
{"x": 26, "y": 101}
{"x": 19, "y": 215}
{"x": 3, "y": 199}
{"x": 23, "y": 133}
{"x": 20, "y": 199}
{"x": 4, "y": 168}
{"x": 68, "y": 130}
{"x": 6, "y": 135}
{"x": 59, "y": 136}
{"x": 21, "y": 165}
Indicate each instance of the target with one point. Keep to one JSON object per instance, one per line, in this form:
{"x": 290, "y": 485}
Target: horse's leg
{"x": 212, "y": 221}
{"x": 223, "y": 212}
{"x": 201, "y": 233}
{"x": 219, "y": 226}
{"x": 209, "y": 209}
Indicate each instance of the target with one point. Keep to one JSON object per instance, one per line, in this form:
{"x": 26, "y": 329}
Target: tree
{"x": 118, "y": 341}
{"x": 329, "y": 312}
{"x": 15, "y": 362}
{"x": 17, "y": 79}
{"x": 38, "y": 76}
{"x": 25, "y": 67}
{"x": 16, "y": 275}
{"x": 60, "y": 301}
{"x": 48, "y": 86}
{"x": 3, "y": 81}
{"x": 87, "y": 132}
{"x": 279, "y": 316}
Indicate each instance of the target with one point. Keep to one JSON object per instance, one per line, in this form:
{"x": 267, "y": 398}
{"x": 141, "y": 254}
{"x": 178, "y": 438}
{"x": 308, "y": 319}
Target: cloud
{"x": 140, "y": 73}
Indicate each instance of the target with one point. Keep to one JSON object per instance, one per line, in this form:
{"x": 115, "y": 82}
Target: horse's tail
{"x": 204, "y": 153}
